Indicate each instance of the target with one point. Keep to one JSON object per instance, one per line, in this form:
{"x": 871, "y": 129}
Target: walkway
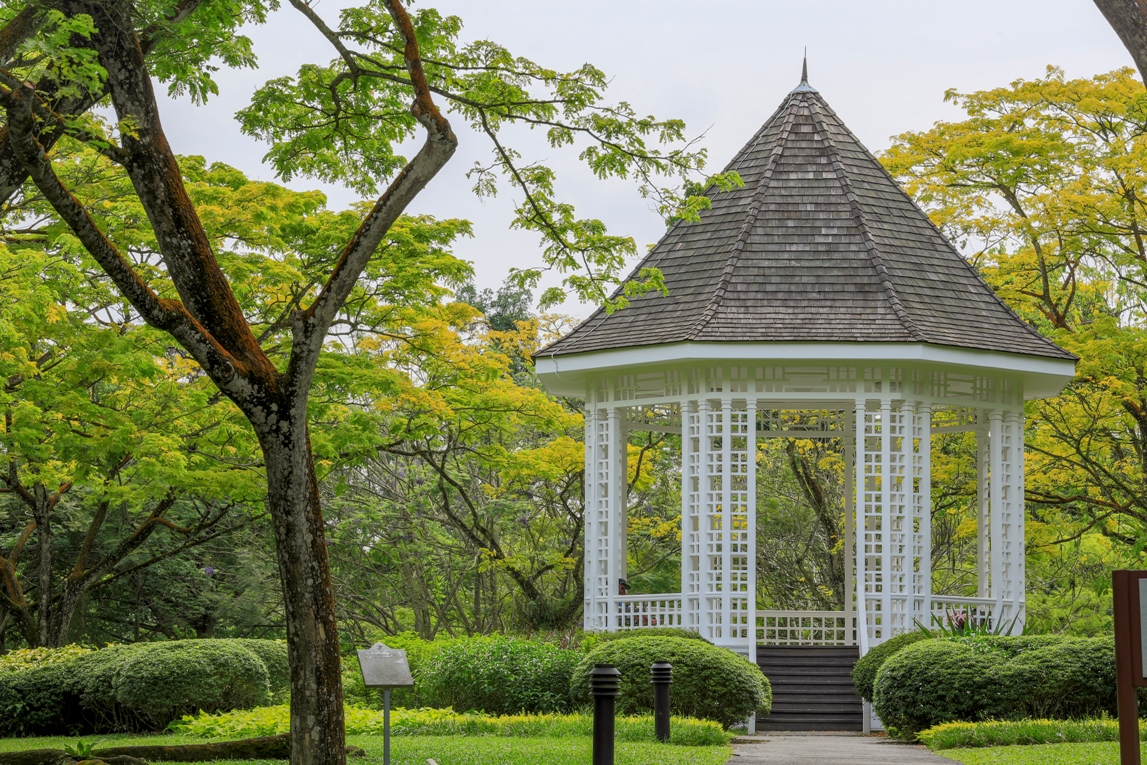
{"x": 829, "y": 749}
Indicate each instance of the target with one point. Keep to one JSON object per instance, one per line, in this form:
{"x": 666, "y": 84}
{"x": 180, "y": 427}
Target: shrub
{"x": 932, "y": 682}
{"x": 271, "y": 721}
{"x": 273, "y": 654}
{"x": 418, "y": 654}
{"x": 864, "y": 673}
{"x": 28, "y": 658}
{"x": 41, "y": 700}
{"x": 591, "y": 640}
{"x": 975, "y": 679}
{"x": 499, "y": 675}
{"x": 709, "y": 682}
{"x": 144, "y": 686}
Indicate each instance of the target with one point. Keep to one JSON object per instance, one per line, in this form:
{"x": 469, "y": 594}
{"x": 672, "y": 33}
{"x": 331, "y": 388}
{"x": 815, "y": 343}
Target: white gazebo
{"x": 817, "y": 301}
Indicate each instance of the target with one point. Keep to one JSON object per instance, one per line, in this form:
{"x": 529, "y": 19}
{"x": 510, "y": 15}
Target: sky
{"x": 723, "y": 66}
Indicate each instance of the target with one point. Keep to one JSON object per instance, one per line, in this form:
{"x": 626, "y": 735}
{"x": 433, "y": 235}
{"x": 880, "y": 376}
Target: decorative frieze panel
{"x": 807, "y": 382}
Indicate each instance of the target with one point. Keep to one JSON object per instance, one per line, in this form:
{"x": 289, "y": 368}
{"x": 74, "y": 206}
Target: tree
{"x": 1129, "y": 20}
{"x": 1045, "y": 184}
{"x": 340, "y": 122}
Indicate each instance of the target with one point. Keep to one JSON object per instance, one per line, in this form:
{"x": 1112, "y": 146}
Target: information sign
{"x": 1129, "y": 601}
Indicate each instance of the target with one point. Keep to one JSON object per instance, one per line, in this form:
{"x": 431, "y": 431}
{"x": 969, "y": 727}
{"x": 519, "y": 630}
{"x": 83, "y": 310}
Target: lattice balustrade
{"x": 633, "y": 612}
{"x": 805, "y": 628}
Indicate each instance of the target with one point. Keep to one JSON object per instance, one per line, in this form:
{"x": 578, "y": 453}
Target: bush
{"x": 591, "y": 640}
{"x": 137, "y": 687}
{"x": 271, "y": 721}
{"x": 41, "y": 700}
{"x": 499, "y": 675}
{"x": 144, "y": 686}
{"x": 864, "y": 673}
{"x": 29, "y": 658}
{"x": 418, "y": 654}
{"x": 709, "y": 682}
{"x": 273, "y": 654}
{"x": 975, "y": 679}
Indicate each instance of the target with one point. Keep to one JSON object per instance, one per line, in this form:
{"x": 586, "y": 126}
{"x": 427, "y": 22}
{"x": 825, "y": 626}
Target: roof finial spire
{"x": 804, "y": 87}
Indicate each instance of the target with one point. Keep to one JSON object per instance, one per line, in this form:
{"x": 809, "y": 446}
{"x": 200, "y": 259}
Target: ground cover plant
{"x": 995, "y": 733}
{"x": 272, "y": 721}
{"x": 1105, "y": 753}
{"x": 462, "y": 750}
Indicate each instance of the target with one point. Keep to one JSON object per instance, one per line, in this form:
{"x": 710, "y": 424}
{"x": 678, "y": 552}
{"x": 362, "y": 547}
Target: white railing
{"x": 632, "y": 612}
{"x": 806, "y": 628}
{"x": 956, "y": 611}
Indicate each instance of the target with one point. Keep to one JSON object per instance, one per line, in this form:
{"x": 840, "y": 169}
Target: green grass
{"x": 449, "y": 750}
{"x": 1104, "y": 753}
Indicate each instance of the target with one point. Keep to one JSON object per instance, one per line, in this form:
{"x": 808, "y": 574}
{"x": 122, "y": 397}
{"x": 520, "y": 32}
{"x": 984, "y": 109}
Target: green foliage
{"x": 709, "y": 682}
{"x": 865, "y": 671}
{"x": 983, "y": 678}
{"x": 591, "y": 640}
{"x": 41, "y": 699}
{"x": 80, "y": 750}
{"x": 1022, "y": 733}
{"x": 273, "y": 654}
{"x": 144, "y": 686}
{"x": 500, "y": 675}
{"x": 22, "y": 659}
{"x": 141, "y": 686}
{"x": 272, "y": 721}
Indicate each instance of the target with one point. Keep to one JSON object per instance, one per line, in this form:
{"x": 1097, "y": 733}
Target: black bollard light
{"x": 604, "y": 684}
{"x": 662, "y": 676}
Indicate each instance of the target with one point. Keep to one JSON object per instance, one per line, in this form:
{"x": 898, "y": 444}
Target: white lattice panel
{"x": 638, "y": 611}
{"x": 806, "y": 628}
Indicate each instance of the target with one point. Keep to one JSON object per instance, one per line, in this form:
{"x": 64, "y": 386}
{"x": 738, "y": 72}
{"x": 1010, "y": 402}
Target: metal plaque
{"x": 384, "y": 667}
{"x": 1143, "y": 626}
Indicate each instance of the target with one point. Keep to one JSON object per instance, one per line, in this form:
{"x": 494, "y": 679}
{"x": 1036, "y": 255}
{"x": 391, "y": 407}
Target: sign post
{"x": 385, "y": 668}
{"x": 1129, "y": 589}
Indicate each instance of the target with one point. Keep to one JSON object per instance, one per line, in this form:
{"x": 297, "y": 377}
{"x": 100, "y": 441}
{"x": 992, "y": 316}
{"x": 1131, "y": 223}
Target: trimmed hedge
{"x": 995, "y": 678}
{"x": 709, "y": 682}
{"x": 864, "y": 673}
{"x": 144, "y": 686}
{"x": 419, "y": 652}
{"x": 591, "y": 640}
{"x": 500, "y": 676}
{"x": 137, "y": 687}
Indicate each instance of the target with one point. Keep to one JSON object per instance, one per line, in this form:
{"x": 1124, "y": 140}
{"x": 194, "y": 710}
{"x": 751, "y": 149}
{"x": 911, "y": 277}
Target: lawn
{"x": 448, "y": 750}
{"x": 1103, "y": 753}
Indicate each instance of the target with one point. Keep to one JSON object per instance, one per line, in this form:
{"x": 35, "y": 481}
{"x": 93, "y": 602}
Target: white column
{"x": 852, "y": 603}
{"x": 726, "y": 519}
{"x": 983, "y": 511}
{"x": 884, "y": 476}
{"x": 996, "y": 480}
{"x": 751, "y": 525}
{"x": 690, "y": 515}
{"x": 592, "y": 490}
{"x": 923, "y": 511}
{"x": 600, "y": 533}
{"x": 619, "y": 449}
{"x": 866, "y": 538}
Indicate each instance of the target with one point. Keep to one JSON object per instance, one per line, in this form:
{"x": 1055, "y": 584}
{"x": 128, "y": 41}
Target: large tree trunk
{"x": 317, "y": 729}
{"x": 1129, "y": 20}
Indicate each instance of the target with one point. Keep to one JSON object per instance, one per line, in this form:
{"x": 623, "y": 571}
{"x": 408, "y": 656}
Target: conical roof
{"x": 819, "y": 245}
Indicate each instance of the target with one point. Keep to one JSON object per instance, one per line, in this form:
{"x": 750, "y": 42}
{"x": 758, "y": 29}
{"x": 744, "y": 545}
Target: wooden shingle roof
{"x": 819, "y": 245}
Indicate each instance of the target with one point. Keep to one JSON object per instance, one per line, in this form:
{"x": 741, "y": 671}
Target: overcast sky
{"x": 722, "y": 65}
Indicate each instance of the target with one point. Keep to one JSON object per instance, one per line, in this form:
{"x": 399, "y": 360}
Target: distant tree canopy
{"x": 1044, "y": 185}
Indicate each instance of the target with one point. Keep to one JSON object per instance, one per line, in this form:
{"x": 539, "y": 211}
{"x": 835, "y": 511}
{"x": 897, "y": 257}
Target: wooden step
{"x": 812, "y": 688}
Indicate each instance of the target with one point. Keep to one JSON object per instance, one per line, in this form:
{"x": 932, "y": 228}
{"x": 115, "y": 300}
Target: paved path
{"x": 829, "y": 749}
